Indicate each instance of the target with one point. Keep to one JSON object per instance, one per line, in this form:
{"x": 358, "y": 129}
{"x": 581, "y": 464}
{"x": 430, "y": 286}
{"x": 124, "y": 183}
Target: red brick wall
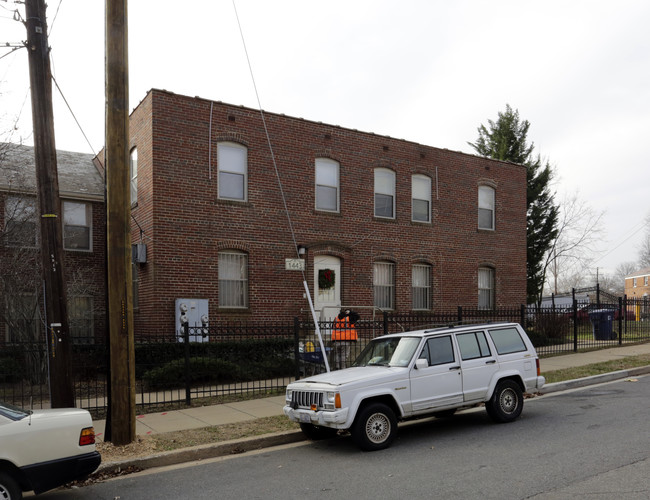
{"x": 641, "y": 289}
{"x": 85, "y": 271}
{"x": 186, "y": 224}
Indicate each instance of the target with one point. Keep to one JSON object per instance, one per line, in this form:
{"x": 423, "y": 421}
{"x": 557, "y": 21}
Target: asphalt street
{"x": 583, "y": 443}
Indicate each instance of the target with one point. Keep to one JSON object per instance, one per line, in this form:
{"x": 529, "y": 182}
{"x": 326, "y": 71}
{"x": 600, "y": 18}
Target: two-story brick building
{"x": 637, "y": 284}
{"x": 81, "y": 191}
{"x": 222, "y": 196}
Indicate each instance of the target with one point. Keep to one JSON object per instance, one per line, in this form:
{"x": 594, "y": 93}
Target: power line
{"x": 73, "y": 115}
{"x": 634, "y": 233}
{"x": 54, "y": 18}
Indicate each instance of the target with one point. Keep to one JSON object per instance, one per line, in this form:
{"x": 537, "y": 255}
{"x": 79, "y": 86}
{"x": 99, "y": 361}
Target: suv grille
{"x": 304, "y": 399}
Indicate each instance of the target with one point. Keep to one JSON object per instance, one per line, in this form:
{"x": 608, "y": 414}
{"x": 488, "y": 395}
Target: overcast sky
{"x": 430, "y": 71}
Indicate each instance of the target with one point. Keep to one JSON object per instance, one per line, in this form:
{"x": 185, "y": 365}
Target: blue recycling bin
{"x": 602, "y": 321}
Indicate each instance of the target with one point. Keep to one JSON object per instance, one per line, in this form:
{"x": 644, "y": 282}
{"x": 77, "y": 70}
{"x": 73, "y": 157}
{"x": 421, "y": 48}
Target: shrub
{"x": 172, "y": 374}
{"x": 549, "y": 328}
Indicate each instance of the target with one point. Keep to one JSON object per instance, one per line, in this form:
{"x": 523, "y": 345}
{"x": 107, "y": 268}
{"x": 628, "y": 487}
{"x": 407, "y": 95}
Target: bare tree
{"x": 568, "y": 263}
{"x": 644, "y": 249}
{"x": 615, "y": 283}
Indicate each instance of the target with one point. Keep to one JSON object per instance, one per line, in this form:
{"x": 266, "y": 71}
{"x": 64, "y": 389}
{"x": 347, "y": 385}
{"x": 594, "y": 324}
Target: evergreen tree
{"x": 505, "y": 140}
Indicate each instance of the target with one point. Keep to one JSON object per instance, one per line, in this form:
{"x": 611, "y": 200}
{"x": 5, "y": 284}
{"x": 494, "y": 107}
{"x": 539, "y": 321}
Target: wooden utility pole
{"x": 56, "y": 310}
{"x": 120, "y": 295}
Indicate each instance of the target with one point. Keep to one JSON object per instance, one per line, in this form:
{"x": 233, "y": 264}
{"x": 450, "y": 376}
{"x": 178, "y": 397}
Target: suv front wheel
{"x": 375, "y": 427}
{"x": 9, "y": 487}
{"x": 506, "y": 402}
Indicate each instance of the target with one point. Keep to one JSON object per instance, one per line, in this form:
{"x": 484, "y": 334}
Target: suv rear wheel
{"x": 375, "y": 427}
{"x": 506, "y": 402}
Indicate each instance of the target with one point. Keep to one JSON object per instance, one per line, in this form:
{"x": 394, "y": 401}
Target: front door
{"x": 440, "y": 383}
{"x": 327, "y": 286}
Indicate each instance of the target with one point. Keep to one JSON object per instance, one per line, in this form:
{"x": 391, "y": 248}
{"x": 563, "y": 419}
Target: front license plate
{"x": 304, "y": 418}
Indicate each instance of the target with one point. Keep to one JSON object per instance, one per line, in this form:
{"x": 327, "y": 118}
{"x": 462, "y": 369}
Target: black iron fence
{"x": 257, "y": 358}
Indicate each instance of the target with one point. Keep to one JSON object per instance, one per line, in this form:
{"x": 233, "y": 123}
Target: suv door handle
{"x": 454, "y": 368}
{"x": 491, "y": 362}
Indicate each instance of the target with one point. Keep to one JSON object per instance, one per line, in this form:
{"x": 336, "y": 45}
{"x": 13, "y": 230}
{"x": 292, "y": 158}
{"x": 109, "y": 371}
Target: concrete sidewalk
{"x": 193, "y": 418}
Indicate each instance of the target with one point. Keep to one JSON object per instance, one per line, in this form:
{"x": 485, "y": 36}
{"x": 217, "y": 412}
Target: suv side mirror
{"x": 421, "y": 363}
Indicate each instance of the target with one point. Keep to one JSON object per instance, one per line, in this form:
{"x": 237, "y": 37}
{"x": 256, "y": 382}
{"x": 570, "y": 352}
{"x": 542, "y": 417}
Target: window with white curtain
{"x": 233, "y": 279}
{"x": 421, "y": 198}
{"x": 384, "y": 193}
{"x": 327, "y": 185}
{"x": 232, "y": 162}
{"x": 384, "y": 285}
{"x": 486, "y": 207}
{"x": 77, "y": 225}
{"x": 421, "y": 287}
{"x": 485, "y": 288}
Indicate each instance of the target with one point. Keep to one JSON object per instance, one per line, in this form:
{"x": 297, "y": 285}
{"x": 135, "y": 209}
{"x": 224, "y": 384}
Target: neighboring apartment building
{"x": 637, "y": 284}
{"x": 81, "y": 190}
{"x": 377, "y": 221}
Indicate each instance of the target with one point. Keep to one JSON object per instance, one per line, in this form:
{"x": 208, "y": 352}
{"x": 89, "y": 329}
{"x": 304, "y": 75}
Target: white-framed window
{"x": 421, "y": 198}
{"x": 80, "y": 314}
{"x": 421, "y": 287}
{"x": 634, "y": 282}
{"x": 384, "y": 193}
{"x": 233, "y": 279}
{"x": 232, "y": 162}
{"x": 20, "y": 229}
{"x": 645, "y": 281}
{"x": 133, "y": 172}
{"x": 327, "y": 185}
{"x": 384, "y": 285}
{"x": 77, "y": 226}
{"x": 485, "y": 288}
{"x": 22, "y": 318}
{"x": 486, "y": 207}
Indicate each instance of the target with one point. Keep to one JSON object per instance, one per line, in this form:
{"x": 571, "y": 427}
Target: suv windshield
{"x": 393, "y": 351}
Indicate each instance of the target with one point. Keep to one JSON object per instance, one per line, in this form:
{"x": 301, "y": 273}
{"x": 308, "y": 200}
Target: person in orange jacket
{"x": 344, "y": 334}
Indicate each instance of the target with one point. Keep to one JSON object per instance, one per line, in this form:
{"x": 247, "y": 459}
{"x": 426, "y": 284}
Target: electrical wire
{"x": 284, "y": 200}
{"x": 14, "y": 49}
{"x": 73, "y": 115}
{"x": 266, "y": 131}
{"x": 54, "y": 18}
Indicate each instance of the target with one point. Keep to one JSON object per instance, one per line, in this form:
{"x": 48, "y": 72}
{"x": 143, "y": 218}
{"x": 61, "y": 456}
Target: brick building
{"x": 376, "y": 221}
{"x": 637, "y": 284}
{"x": 81, "y": 190}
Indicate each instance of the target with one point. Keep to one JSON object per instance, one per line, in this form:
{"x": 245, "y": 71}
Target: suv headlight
{"x": 288, "y": 395}
{"x": 332, "y": 400}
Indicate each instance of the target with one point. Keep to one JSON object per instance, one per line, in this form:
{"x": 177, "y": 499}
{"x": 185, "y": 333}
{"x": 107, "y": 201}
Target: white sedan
{"x": 44, "y": 449}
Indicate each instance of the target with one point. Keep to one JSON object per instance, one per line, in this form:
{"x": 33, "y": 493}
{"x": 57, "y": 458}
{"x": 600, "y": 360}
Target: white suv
{"x": 419, "y": 373}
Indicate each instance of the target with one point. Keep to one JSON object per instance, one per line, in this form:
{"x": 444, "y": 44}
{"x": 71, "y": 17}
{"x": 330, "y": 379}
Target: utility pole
{"x": 56, "y": 311}
{"x": 120, "y": 294}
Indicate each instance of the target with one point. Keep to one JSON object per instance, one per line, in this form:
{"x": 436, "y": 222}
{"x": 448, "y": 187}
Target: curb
{"x": 203, "y": 452}
{"x": 238, "y": 446}
{"x": 594, "y": 379}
